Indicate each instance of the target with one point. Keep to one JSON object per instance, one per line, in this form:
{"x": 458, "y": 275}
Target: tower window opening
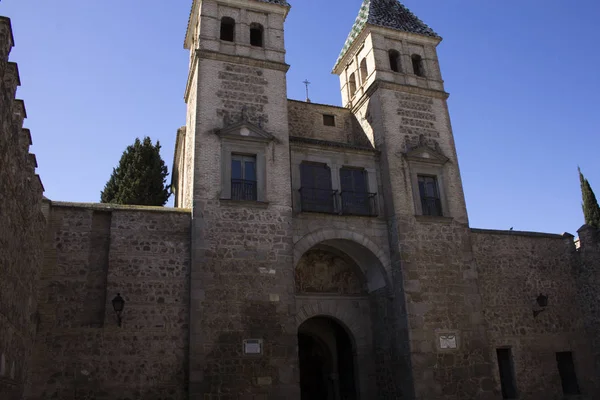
{"x": 417, "y": 63}
{"x": 227, "y": 29}
{"x": 363, "y": 71}
{"x": 256, "y": 35}
{"x": 352, "y": 84}
{"x": 394, "y": 60}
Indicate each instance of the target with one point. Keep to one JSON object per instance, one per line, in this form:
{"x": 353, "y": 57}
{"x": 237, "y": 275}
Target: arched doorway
{"x": 327, "y": 361}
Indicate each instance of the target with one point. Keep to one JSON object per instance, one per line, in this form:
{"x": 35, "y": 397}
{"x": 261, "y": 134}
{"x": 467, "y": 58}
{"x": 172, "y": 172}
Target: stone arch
{"x": 356, "y": 331}
{"x": 373, "y": 261}
{"x": 327, "y": 359}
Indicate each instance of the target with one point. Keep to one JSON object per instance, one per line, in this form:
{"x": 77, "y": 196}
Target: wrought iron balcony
{"x": 318, "y": 200}
{"x": 359, "y": 203}
{"x": 431, "y": 206}
{"x": 243, "y": 190}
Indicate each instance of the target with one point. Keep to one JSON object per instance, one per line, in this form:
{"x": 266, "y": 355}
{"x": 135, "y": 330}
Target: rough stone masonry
{"x": 315, "y": 251}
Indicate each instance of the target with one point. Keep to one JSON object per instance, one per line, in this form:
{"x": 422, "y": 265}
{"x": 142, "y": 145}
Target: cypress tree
{"x": 140, "y": 178}
{"x": 591, "y": 210}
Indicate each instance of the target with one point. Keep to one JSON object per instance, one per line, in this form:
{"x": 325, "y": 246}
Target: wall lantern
{"x": 542, "y": 302}
{"x": 118, "y": 304}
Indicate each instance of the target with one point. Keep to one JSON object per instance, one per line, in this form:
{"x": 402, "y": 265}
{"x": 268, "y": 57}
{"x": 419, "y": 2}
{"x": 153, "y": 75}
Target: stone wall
{"x": 306, "y": 121}
{"x": 514, "y": 268}
{"x": 22, "y": 225}
{"x": 91, "y": 253}
{"x": 435, "y": 289}
{"x": 242, "y": 250}
{"x": 588, "y": 283}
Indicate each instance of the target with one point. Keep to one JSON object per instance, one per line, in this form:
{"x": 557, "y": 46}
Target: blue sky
{"x": 522, "y": 78}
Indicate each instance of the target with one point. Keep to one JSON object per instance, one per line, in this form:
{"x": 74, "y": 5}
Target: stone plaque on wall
{"x": 253, "y": 346}
{"x": 447, "y": 340}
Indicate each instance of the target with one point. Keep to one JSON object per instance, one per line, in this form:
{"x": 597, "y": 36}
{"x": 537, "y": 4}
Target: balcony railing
{"x": 344, "y": 203}
{"x": 359, "y": 203}
{"x": 318, "y": 200}
{"x": 243, "y": 190}
{"x": 431, "y": 206}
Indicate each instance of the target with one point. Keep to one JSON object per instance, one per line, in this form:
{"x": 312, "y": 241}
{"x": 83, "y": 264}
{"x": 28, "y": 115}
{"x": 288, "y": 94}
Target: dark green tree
{"x": 140, "y": 178}
{"x": 591, "y": 210}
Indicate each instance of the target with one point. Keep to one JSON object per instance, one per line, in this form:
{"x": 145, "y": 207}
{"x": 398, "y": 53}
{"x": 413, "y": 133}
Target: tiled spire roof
{"x": 388, "y": 14}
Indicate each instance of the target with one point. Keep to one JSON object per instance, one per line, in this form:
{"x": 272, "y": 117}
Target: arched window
{"x": 417, "y": 63}
{"x": 363, "y": 71}
{"x": 394, "y": 60}
{"x": 227, "y": 29}
{"x": 256, "y": 34}
{"x": 352, "y": 84}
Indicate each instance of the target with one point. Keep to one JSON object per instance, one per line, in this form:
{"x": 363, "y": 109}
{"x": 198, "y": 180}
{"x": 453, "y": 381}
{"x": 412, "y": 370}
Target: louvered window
{"x": 316, "y": 191}
{"x": 431, "y": 203}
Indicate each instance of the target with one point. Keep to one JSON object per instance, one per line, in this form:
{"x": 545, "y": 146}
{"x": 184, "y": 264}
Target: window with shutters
{"x": 354, "y": 194}
{"x": 316, "y": 193}
{"x": 431, "y": 203}
{"x": 566, "y": 369}
{"x": 243, "y": 177}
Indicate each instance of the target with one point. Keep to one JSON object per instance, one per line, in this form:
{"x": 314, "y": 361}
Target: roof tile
{"x": 388, "y": 14}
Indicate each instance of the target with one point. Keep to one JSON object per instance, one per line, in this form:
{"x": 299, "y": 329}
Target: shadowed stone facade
{"x": 315, "y": 252}
{"x": 21, "y": 230}
{"x": 91, "y": 253}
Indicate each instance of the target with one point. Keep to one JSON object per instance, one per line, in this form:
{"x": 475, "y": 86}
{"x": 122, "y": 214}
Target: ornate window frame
{"x": 425, "y": 161}
{"x": 244, "y": 138}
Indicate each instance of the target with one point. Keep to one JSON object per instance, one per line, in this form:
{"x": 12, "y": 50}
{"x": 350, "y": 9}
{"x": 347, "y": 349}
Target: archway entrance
{"x": 326, "y": 354}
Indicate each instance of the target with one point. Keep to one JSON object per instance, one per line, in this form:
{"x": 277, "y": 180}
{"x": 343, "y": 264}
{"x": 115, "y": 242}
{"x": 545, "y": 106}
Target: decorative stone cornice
{"x": 245, "y": 130}
{"x": 425, "y": 154}
{"x": 398, "y": 87}
{"x": 296, "y": 140}
{"x": 254, "y": 62}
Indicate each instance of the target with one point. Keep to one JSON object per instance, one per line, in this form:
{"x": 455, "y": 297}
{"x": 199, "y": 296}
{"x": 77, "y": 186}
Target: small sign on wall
{"x": 447, "y": 340}
{"x": 253, "y": 346}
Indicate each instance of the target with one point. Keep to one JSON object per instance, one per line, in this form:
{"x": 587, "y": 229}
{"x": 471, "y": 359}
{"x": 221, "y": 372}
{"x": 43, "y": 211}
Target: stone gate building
{"x": 314, "y": 252}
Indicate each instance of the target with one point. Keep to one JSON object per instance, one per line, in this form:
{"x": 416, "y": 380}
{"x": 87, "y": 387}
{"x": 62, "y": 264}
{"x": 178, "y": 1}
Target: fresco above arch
{"x": 324, "y": 271}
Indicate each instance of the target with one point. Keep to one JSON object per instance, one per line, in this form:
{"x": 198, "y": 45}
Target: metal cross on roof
{"x": 306, "y": 83}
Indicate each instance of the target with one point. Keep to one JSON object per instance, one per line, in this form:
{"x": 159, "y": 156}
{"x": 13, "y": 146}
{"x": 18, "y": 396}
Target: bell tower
{"x": 390, "y": 79}
{"x": 236, "y": 71}
{"x": 228, "y": 169}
